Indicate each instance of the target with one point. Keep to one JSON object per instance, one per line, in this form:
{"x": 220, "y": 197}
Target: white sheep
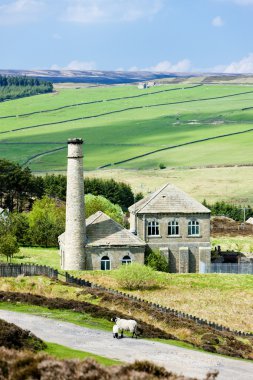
{"x": 127, "y": 325}
{"x": 115, "y": 331}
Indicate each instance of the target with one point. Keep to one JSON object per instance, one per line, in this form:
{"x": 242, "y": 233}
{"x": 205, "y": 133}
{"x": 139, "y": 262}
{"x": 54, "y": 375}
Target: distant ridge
{"x": 98, "y": 77}
{"x": 92, "y": 76}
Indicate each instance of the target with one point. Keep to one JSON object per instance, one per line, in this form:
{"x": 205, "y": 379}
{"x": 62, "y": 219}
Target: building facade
{"x": 172, "y": 222}
{"x": 168, "y": 220}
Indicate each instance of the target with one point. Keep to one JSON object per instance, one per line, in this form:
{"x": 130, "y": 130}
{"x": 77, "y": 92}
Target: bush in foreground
{"x": 12, "y": 336}
{"x": 26, "y": 365}
{"x": 135, "y": 276}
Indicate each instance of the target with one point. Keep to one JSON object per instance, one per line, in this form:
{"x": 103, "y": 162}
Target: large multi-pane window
{"x": 105, "y": 263}
{"x": 193, "y": 228}
{"x": 173, "y": 228}
{"x": 153, "y": 228}
{"x": 126, "y": 260}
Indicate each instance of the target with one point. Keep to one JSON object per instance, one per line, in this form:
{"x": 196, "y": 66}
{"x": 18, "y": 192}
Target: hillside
{"x": 124, "y": 127}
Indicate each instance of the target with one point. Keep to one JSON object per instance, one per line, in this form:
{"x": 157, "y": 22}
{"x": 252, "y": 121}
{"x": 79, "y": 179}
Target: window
{"x": 126, "y": 260}
{"x": 105, "y": 263}
{"x": 173, "y": 228}
{"x": 153, "y": 228}
{"x": 193, "y": 228}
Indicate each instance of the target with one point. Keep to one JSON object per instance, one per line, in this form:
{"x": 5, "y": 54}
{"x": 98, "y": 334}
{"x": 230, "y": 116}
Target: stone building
{"x": 172, "y": 222}
{"x": 108, "y": 244}
{"x": 167, "y": 220}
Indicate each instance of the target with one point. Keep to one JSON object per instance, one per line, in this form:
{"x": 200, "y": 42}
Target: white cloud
{"x": 243, "y": 66}
{"x": 20, "y": 11}
{"x": 76, "y": 65}
{"x": 181, "y": 66}
{"x": 97, "y": 11}
{"x": 217, "y": 21}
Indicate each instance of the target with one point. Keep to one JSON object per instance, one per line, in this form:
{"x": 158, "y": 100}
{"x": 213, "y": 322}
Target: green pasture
{"x": 122, "y": 135}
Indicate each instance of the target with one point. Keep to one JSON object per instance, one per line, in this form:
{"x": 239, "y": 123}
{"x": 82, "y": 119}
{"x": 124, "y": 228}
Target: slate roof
{"x": 101, "y": 230}
{"x": 168, "y": 199}
{"x": 104, "y": 231}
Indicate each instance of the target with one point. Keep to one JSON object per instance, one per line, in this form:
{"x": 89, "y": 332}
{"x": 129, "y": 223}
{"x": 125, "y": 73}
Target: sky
{"x": 153, "y": 35}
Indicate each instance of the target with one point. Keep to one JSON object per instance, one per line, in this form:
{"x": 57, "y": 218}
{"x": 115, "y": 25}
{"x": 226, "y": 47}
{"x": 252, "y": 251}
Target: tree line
{"x": 13, "y": 87}
{"x": 236, "y": 212}
{"x": 33, "y": 207}
{"x": 19, "y": 187}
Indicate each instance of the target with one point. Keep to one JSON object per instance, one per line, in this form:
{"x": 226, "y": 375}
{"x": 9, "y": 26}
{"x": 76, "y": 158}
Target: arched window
{"x": 126, "y": 260}
{"x": 105, "y": 263}
{"x": 193, "y": 228}
{"x": 153, "y": 228}
{"x": 173, "y": 228}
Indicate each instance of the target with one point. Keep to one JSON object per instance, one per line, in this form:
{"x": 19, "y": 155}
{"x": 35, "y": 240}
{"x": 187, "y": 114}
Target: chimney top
{"x": 75, "y": 141}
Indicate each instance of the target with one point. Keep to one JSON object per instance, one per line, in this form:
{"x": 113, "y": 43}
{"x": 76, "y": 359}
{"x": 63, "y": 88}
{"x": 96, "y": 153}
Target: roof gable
{"x": 101, "y": 230}
{"x": 168, "y": 199}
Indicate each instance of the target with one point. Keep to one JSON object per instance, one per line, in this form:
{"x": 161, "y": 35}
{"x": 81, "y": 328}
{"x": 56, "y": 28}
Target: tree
{"x": 157, "y": 261}
{"x": 95, "y": 203}
{"x": 116, "y": 192}
{"x": 8, "y": 245}
{"x": 18, "y": 185}
{"x": 46, "y": 222}
{"x": 19, "y": 225}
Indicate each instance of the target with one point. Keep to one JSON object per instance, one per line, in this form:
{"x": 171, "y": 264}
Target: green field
{"x": 113, "y": 133}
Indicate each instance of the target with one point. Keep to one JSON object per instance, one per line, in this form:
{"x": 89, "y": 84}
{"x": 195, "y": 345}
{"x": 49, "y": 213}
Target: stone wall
{"x": 115, "y": 254}
{"x": 183, "y": 219}
{"x": 184, "y": 258}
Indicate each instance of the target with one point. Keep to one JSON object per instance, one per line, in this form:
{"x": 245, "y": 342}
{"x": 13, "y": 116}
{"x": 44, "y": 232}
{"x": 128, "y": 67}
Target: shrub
{"x": 157, "y": 261}
{"x": 95, "y": 203}
{"x": 162, "y": 166}
{"x": 135, "y": 276}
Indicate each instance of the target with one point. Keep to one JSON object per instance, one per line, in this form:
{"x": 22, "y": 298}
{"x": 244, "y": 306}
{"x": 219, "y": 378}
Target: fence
{"x": 235, "y": 268}
{"x": 163, "y": 309}
{"x": 14, "y": 270}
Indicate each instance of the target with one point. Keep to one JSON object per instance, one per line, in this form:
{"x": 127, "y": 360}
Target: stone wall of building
{"x": 183, "y": 219}
{"x": 184, "y": 253}
{"x": 115, "y": 254}
{"x": 192, "y": 255}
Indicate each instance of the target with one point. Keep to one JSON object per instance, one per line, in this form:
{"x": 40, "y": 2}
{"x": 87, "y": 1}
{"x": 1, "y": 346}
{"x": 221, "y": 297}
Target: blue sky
{"x": 157, "y": 35}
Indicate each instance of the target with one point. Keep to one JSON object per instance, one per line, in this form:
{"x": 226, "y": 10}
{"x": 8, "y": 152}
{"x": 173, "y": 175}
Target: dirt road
{"x": 176, "y": 359}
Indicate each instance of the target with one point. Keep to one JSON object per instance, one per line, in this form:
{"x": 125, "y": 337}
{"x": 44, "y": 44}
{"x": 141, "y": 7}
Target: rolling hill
{"x": 176, "y": 125}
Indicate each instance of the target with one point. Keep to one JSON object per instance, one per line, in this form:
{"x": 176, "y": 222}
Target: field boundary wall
{"x": 15, "y": 270}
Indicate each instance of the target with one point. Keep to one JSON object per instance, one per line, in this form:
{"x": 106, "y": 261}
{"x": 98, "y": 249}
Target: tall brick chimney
{"x": 75, "y": 231}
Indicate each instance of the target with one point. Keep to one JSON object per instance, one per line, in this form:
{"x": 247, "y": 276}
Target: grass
{"x": 62, "y": 352}
{"x": 215, "y": 297}
{"x": 238, "y": 244}
{"x": 37, "y": 255}
{"x": 135, "y": 131}
{"x": 80, "y": 319}
{"x": 231, "y": 184}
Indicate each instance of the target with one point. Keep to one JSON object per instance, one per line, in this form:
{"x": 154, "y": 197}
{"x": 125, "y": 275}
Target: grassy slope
{"x": 233, "y": 184}
{"x": 214, "y": 297}
{"x": 151, "y": 127}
